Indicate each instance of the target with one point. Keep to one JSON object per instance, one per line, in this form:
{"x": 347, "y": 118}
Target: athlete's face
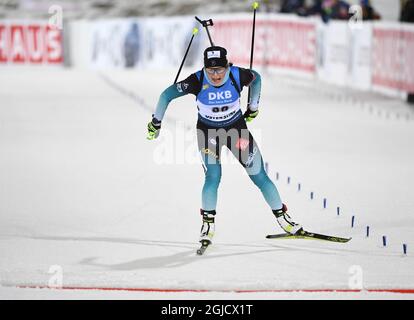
{"x": 216, "y": 75}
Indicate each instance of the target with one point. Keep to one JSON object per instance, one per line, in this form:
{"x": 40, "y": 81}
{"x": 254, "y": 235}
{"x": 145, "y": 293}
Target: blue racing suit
{"x": 221, "y": 123}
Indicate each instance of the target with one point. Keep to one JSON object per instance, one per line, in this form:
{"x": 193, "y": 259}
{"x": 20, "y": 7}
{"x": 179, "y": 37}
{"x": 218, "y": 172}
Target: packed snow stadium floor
{"x": 86, "y": 200}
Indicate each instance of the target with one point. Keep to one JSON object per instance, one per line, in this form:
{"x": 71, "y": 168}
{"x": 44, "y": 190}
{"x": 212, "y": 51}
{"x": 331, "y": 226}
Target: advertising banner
{"x": 30, "y": 43}
{"x": 334, "y": 62}
{"x": 392, "y": 57}
{"x": 374, "y": 56}
{"x": 281, "y": 41}
{"x": 359, "y": 76}
{"x": 152, "y": 43}
{"x": 344, "y": 54}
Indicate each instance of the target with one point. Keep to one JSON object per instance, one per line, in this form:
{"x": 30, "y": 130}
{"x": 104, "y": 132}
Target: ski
{"x": 204, "y": 246}
{"x": 308, "y": 235}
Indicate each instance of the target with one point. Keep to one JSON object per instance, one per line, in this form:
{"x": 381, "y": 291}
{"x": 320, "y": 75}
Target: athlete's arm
{"x": 252, "y": 78}
{"x": 182, "y": 88}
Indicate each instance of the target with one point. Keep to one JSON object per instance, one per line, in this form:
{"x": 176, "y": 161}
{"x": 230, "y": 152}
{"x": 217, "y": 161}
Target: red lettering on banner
{"x": 34, "y": 43}
{"x": 3, "y": 43}
{"x": 18, "y": 44}
{"x": 286, "y": 44}
{"x": 392, "y": 62}
{"x": 234, "y": 36}
{"x": 54, "y": 45}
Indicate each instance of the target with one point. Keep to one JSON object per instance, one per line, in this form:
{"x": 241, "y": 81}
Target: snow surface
{"x": 82, "y": 189}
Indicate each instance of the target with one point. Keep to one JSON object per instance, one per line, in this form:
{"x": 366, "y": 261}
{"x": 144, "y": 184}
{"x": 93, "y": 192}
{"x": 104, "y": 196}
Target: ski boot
{"x": 285, "y": 221}
{"x": 207, "y": 229}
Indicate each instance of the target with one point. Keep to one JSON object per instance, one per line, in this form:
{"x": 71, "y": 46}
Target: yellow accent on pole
{"x": 195, "y": 31}
{"x": 255, "y": 5}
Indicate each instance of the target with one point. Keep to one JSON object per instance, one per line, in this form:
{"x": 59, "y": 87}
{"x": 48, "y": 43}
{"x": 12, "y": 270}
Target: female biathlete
{"x": 217, "y": 88}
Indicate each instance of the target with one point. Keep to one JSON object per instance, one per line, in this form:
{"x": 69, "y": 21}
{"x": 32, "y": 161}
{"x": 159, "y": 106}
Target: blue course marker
{"x": 405, "y": 248}
{"x": 324, "y": 203}
{"x": 311, "y": 195}
{"x": 337, "y": 210}
{"x": 352, "y": 221}
{"x": 367, "y": 231}
{"x": 384, "y": 241}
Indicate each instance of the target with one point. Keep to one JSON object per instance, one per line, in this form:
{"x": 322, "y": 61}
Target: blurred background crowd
{"x": 340, "y": 9}
{"x": 403, "y": 10}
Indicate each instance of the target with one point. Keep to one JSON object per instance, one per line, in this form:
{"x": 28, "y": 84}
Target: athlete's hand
{"x": 249, "y": 115}
{"x": 154, "y": 128}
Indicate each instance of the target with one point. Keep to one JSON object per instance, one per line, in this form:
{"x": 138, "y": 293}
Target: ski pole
{"x": 255, "y": 6}
{"x": 206, "y": 24}
{"x": 195, "y": 31}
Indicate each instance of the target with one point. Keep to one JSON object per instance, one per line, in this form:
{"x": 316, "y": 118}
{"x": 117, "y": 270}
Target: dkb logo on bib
{"x": 219, "y": 95}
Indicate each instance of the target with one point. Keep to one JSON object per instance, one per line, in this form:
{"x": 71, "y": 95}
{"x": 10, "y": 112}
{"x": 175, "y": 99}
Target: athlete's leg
{"x": 211, "y": 184}
{"x": 245, "y": 149}
{"x": 266, "y": 186}
{"x": 209, "y": 148}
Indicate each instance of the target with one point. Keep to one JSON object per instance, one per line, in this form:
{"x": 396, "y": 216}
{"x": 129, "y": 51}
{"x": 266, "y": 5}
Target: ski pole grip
{"x": 205, "y": 23}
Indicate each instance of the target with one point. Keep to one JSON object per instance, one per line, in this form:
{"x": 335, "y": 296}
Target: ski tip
{"x": 341, "y": 240}
{"x": 205, "y": 243}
